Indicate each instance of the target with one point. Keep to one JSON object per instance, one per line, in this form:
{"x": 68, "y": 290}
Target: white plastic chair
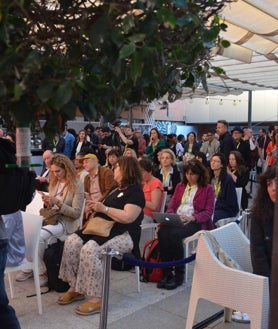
{"x": 239, "y": 196}
{"x": 31, "y": 225}
{"x": 36, "y": 204}
{"x": 232, "y": 288}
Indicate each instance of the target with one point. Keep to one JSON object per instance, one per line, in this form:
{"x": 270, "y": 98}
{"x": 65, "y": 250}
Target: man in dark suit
{"x": 227, "y": 143}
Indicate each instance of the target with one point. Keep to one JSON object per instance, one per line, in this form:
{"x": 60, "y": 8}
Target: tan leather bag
{"x": 50, "y": 216}
{"x": 98, "y": 226}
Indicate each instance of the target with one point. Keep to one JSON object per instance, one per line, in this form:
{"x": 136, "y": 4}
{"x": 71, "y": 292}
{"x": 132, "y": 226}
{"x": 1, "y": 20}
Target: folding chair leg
{"x": 38, "y": 290}
{"x": 11, "y": 284}
{"x": 137, "y": 273}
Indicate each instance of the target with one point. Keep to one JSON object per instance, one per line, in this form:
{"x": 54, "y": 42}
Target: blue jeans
{"x": 8, "y": 319}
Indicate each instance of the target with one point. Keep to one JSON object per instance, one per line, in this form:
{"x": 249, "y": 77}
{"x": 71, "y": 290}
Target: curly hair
{"x": 171, "y": 153}
{"x": 263, "y": 207}
{"x": 131, "y": 173}
{"x": 196, "y": 167}
{"x": 62, "y": 161}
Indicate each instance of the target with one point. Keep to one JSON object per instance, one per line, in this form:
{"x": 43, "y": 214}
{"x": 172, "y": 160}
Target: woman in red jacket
{"x": 193, "y": 200}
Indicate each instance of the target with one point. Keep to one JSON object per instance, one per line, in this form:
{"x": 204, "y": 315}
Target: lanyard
{"x": 166, "y": 178}
{"x": 187, "y": 193}
{"x": 217, "y": 188}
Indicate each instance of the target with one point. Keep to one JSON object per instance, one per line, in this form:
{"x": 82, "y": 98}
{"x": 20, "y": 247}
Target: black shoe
{"x": 179, "y": 279}
{"x": 175, "y": 282}
{"x": 170, "y": 285}
{"x": 162, "y": 284}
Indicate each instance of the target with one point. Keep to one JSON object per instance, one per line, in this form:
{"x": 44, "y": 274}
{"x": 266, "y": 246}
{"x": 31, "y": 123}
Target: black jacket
{"x": 174, "y": 179}
{"x": 261, "y": 238}
{"x": 227, "y": 144}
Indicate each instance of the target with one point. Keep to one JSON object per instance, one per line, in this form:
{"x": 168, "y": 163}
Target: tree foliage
{"x": 103, "y": 56}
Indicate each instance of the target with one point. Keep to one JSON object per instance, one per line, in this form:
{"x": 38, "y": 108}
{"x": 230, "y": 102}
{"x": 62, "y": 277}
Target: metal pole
{"x": 249, "y": 108}
{"x": 108, "y": 253}
{"x": 273, "y": 315}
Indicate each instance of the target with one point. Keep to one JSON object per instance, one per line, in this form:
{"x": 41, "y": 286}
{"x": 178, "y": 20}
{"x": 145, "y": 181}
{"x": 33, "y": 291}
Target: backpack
{"x": 52, "y": 258}
{"x": 121, "y": 265}
{"x": 151, "y": 253}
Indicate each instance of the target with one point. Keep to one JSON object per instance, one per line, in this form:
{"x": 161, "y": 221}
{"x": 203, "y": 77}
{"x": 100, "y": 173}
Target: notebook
{"x": 165, "y": 218}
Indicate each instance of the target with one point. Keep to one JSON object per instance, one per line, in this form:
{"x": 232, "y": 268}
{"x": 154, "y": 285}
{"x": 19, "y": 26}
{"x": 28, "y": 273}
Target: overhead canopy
{"x": 251, "y": 62}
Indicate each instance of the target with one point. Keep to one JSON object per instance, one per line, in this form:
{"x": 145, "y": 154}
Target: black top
{"x": 118, "y": 199}
{"x": 175, "y": 178}
{"x": 227, "y": 144}
{"x": 261, "y": 238}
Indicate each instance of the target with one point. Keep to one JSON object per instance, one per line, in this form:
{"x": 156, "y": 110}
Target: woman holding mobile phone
{"x": 66, "y": 194}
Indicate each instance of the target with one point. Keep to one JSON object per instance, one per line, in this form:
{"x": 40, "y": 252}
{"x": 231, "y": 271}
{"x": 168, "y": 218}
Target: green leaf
{"x": 225, "y": 43}
{"x": 136, "y": 66}
{"x": 167, "y": 17}
{"x": 64, "y": 93}
{"x": 62, "y": 96}
{"x": 45, "y": 90}
{"x": 139, "y": 37}
{"x": 218, "y": 70}
{"x": 18, "y": 92}
{"x": 127, "y": 50}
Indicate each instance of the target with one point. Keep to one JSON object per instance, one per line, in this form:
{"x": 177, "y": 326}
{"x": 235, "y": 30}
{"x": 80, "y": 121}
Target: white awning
{"x": 251, "y": 62}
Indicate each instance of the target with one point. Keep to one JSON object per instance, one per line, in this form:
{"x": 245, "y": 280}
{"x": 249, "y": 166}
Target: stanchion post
{"x": 108, "y": 253}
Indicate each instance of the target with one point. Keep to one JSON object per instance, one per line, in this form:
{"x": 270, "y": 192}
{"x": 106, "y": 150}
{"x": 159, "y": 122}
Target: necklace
{"x": 60, "y": 189}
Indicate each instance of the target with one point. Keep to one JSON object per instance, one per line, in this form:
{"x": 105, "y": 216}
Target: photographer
{"x": 128, "y": 138}
{"x": 109, "y": 141}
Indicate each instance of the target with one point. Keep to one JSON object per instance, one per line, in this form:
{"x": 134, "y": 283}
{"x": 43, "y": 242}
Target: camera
{"x": 116, "y": 123}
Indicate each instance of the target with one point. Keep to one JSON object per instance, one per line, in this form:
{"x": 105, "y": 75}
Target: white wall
{"x": 233, "y": 108}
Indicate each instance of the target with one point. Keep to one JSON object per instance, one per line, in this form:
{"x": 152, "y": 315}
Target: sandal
{"x": 70, "y": 297}
{"x": 88, "y": 308}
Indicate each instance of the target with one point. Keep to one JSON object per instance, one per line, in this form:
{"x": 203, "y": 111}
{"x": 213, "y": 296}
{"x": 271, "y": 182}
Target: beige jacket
{"x": 71, "y": 207}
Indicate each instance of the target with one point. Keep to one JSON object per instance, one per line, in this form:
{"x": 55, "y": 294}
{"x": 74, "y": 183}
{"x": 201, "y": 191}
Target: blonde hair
{"x": 171, "y": 153}
{"x": 133, "y": 153}
{"x": 62, "y": 161}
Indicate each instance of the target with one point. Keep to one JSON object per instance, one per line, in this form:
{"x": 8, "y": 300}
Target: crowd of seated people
{"x": 201, "y": 189}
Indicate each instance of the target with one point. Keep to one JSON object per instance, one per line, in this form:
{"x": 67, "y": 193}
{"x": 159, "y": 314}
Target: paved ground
{"x": 151, "y": 308}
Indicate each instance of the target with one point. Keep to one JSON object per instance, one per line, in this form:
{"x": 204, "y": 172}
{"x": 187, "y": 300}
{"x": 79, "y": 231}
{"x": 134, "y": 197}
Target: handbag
{"x": 98, "y": 226}
{"x": 50, "y": 216}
